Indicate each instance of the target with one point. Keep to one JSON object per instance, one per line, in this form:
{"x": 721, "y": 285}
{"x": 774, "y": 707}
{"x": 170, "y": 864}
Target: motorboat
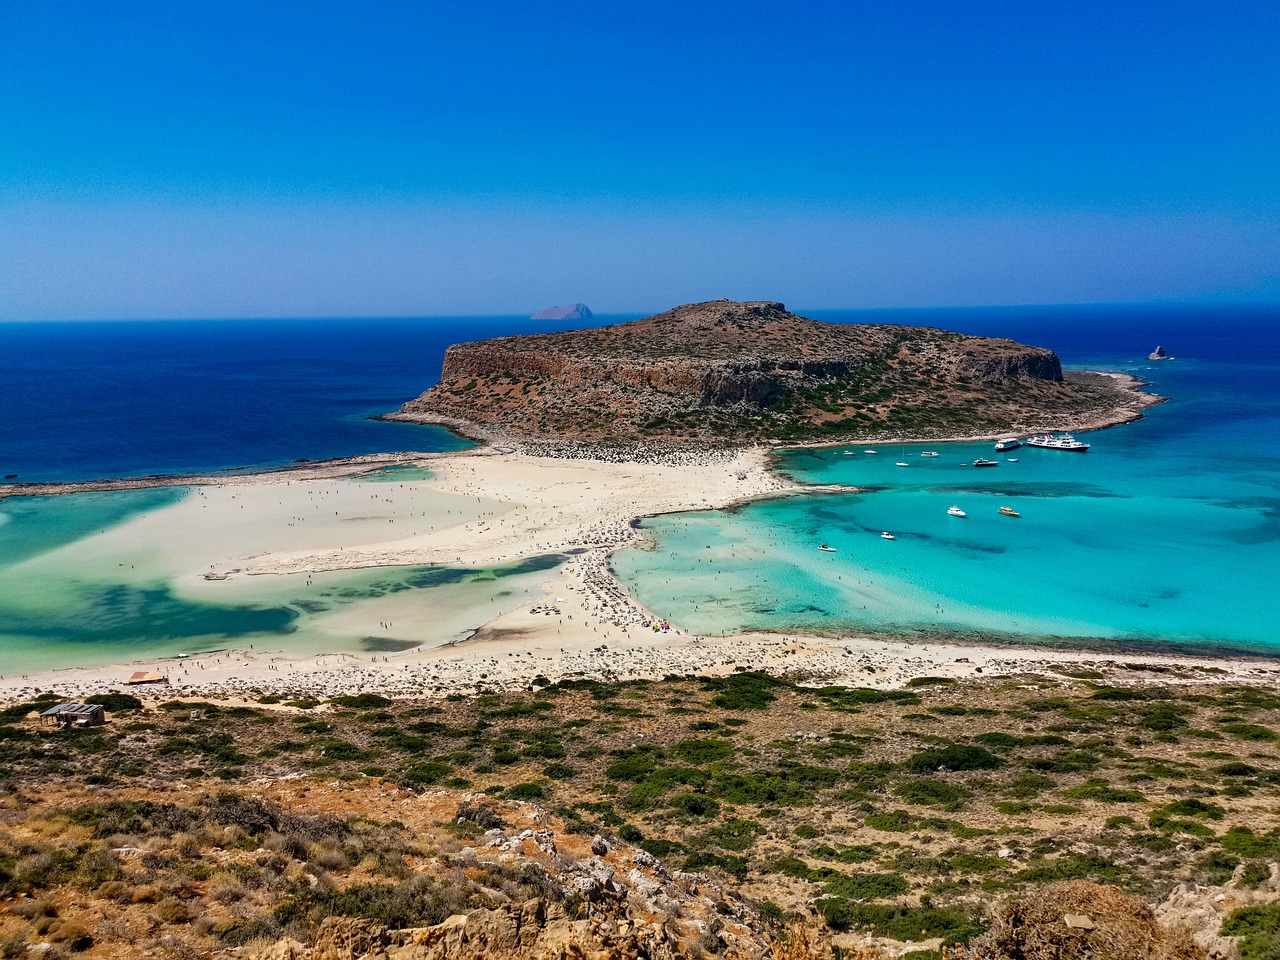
{"x": 868, "y": 451}
{"x": 1009, "y": 443}
{"x": 1009, "y": 512}
{"x": 825, "y": 549}
{"x": 980, "y": 462}
{"x": 902, "y": 463}
{"x": 929, "y": 453}
{"x": 956, "y": 512}
{"x": 887, "y": 536}
{"x": 1057, "y": 441}
{"x": 1010, "y": 459}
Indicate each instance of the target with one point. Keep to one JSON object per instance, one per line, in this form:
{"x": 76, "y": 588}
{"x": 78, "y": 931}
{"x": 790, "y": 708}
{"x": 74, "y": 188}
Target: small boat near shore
{"x": 956, "y": 512}
{"x": 980, "y": 462}
{"x": 868, "y": 451}
{"x": 929, "y": 453}
{"x": 1057, "y": 441}
{"x": 1008, "y": 512}
{"x": 825, "y": 549}
{"x": 887, "y": 536}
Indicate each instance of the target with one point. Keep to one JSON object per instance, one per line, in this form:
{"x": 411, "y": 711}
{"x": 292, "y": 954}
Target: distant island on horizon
{"x": 570, "y": 311}
{"x": 750, "y": 372}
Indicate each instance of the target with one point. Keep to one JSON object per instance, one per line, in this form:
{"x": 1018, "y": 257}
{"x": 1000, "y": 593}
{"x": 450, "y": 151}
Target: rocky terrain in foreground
{"x": 749, "y": 372}
{"x": 1070, "y": 816}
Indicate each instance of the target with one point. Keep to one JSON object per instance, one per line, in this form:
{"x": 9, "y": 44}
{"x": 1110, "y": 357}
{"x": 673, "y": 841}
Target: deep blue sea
{"x": 93, "y": 400}
{"x": 1166, "y": 532}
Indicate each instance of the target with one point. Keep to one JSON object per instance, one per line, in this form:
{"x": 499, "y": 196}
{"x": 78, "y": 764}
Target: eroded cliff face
{"x": 746, "y": 372}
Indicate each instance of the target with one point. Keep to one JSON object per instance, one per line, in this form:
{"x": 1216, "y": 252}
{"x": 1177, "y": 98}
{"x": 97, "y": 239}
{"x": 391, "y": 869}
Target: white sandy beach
{"x": 479, "y": 511}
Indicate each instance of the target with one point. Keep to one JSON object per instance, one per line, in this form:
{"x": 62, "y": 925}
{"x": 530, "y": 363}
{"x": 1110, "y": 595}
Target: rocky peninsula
{"x": 740, "y": 373}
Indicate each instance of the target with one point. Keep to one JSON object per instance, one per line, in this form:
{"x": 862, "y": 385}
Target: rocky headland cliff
{"x": 748, "y": 372}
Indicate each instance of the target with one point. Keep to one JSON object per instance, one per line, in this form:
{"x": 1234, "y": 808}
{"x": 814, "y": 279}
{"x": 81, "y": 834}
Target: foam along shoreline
{"x": 484, "y": 511}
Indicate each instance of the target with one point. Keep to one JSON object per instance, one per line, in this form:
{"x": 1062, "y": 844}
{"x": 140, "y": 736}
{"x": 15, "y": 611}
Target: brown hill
{"x": 746, "y": 372}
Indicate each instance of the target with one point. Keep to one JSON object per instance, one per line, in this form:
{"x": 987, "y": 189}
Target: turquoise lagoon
{"x": 86, "y": 615}
{"x": 1166, "y": 533}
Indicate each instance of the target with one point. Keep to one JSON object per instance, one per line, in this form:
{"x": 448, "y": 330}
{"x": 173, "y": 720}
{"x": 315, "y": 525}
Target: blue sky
{"x": 373, "y": 158}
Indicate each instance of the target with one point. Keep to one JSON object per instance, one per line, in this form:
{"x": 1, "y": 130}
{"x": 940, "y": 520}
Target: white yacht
{"x": 887, "y": 536}
{"x": 902, "y": 463}
{"x": 1009, "y": 443}
{"x": 956, "y": 512}
{"x": 929, "y": 453}
{"x": 1057, "y": 441}
{"x": 825, "y": 549}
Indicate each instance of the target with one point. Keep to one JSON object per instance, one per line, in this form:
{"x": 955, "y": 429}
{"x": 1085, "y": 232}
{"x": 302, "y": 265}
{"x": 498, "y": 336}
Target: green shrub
{"x": 115, "y": 702}
{"x": 424, "y": 774}
{"x": 361, "y": 701}
{"x": 736, "y": 834}
{"x": 632, "y": 765}
{"x": 954, "y": 757}
{"x": 1250, "y": 731}
{"x": 753, "y": 690}
{"x": 1244, "y": 842}
{"x": 695, "y": 805}
{"x": 792, "y": 867}
{"x": 703, "y": 751}
{"x": 1259, "y": 930}
{"x": 1102, "y": 792}
{"x": 929, "y": 792}
{"x": 901, "y": 921}
{"x": 525, "y": 791}
{"x": 1165, "y": 716}
{"x": 867, "y": 886}
{"x": 734, "y": 866}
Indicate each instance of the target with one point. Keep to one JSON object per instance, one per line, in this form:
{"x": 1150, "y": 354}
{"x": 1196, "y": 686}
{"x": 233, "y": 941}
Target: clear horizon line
{"x": 1113, "y": 304}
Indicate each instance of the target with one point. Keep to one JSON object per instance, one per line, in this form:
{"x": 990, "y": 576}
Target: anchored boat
{"x": 1057, "y": 441}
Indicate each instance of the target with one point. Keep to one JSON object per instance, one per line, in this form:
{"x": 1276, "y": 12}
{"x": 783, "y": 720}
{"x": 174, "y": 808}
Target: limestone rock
{"x": 748, "y": 371}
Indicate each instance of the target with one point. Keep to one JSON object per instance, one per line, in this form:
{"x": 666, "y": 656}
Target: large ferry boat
{"x": 1011, "y": 443}
{"x": 1057, "y": 441}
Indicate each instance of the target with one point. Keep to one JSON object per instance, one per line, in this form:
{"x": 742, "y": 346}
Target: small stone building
{"x": 64, "y": 715}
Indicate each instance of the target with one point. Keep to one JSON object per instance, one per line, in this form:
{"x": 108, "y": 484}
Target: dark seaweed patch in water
{"x": 416, "y": 578}
{"x": 1266, "y": 531}
{"x": 386, "y": 644}
{"x": 127, "y": 614}
{"x": 310, "y": 606}
{"x": 1045, "y": 491}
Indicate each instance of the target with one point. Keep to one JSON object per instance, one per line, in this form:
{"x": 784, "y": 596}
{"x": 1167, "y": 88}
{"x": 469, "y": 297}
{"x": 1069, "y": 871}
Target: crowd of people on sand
{"x": 669, "y": 454}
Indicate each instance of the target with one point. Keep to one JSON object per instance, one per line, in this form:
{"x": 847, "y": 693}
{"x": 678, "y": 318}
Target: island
{"x": 570, "y": 311}
{"x": 1158, "y": 354}
{"x": 735, "y": 373}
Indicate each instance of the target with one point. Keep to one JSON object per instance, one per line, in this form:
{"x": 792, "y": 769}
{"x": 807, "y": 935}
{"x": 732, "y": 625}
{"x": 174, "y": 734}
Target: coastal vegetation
{"x": 891, "y": 815}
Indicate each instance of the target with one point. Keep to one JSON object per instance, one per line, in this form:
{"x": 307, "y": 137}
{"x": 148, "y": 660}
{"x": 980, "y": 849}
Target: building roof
{"x": 75, "y": 709}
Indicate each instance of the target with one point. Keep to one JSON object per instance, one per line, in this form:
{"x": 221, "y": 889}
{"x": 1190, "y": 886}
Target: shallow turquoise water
{"x": 1167, "y": 532}
{"x": 90, "y": 616}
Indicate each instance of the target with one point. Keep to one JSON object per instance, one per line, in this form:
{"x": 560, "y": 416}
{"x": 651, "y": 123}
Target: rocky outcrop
{"x": 1085, "y": 920}
{"x": 749, "y": 372}
{"x": 571, "y": 311}
{"x": 1158, "y": 354}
